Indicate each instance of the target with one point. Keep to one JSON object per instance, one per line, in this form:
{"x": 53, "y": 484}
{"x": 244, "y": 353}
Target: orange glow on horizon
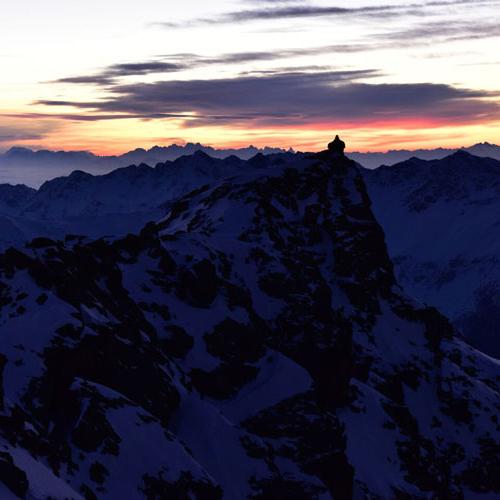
{"x": 114, "y": 137}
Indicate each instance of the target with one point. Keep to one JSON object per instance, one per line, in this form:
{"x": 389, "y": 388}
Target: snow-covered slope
{"x": 252, "y": 344}
{"x": 14, "y": 197}
{"x": 126, "y": 190}
{"x": 442, "y": 220}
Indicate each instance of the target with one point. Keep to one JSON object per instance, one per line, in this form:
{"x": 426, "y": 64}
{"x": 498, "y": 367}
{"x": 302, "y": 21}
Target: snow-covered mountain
{"x": 374, "y": 160}
{"x": 442, "y": 221}
{"x": 252, "y": 344}
{"x": 26, "y": 166}
{"x": 112, "y": 204}
{"x": 440, "y": 218}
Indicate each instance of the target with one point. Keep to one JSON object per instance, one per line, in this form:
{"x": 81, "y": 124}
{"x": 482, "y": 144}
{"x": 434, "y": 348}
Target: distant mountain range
{"x": 33, "y": 168}
{"x": 112, "y": 204}
{"x": 374, "y": 160}
{"x": 26, "y": 166}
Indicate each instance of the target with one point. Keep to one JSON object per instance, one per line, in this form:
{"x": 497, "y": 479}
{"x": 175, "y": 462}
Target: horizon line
{"x": 35, "y": 149}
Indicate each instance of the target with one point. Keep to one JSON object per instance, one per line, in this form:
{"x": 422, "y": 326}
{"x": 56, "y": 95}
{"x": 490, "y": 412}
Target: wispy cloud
{"x": 269, "y": 10}
{"x": 279, "y": 11}
{"x": 173, "y": 63}
{"x": 422, "y": 34}
{"x": 439, "y": 31}
{"x": 15, "y": 129}
{"x": 110, "y": 74}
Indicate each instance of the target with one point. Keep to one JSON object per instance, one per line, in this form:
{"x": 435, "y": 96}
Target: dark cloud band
{"x": 294, "y": 99}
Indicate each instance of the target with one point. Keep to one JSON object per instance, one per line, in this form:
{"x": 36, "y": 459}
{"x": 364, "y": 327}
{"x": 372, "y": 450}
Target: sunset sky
{"x": 109, "y": 76}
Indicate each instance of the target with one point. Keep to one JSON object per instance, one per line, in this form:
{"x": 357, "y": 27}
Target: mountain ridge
{"x": 18, "y": 163}
{"x": 392, "y": 157}
{"x": 427, "y": 260}
{"x": 259, "y": 321}
{"x": 123, "y": 199}
{"x": 34, "y": 167}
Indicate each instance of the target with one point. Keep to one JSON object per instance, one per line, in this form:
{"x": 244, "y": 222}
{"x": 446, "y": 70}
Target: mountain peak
{"x": 461, "y": 153}
{"x": 79, "y": 174}
{"x": 18, "y": 150}
{"x": 337, "y": 146}
{"x": 199, "y": 153}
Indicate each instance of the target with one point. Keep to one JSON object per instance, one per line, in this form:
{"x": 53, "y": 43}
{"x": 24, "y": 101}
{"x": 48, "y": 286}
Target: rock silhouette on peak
{"x": 337, "y": 146}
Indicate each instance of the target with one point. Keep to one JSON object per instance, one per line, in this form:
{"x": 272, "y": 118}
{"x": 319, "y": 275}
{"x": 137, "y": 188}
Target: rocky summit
{"x": 253, "y": 343}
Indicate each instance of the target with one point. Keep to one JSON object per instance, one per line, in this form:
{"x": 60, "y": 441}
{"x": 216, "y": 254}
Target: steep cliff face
{"x": 252, "y": 344}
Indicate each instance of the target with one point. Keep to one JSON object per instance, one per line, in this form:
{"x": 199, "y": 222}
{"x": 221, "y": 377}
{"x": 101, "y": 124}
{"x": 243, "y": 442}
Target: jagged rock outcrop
{"x": 252, "y": 344}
